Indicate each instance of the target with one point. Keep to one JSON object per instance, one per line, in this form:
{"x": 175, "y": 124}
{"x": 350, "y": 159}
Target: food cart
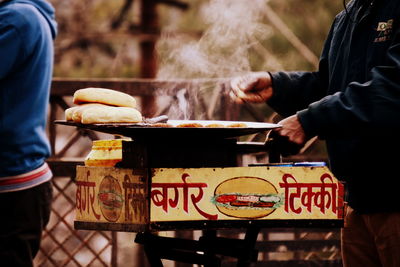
{"x": 173, "y": 178}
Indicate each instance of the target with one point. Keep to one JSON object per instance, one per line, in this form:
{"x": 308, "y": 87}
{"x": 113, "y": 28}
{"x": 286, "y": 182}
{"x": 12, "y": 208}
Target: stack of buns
{"x": 100, "y": 105}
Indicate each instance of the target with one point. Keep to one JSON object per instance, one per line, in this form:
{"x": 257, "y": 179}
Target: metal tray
{"x": 150, "y": 131}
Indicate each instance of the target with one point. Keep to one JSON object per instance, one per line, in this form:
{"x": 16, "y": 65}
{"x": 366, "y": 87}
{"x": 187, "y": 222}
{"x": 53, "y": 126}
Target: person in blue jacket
{"x": 27, "y": 32}
{"x": 353, "y": 102}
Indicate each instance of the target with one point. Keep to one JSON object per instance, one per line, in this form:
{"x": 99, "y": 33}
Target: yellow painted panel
{"x": 110, "y": 195}
{"x": 243, "y": 193}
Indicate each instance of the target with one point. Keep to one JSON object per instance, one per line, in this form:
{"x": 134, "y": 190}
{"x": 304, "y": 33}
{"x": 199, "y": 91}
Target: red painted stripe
{"x": 25, "y": 179}
{"x": 341, "y": 205}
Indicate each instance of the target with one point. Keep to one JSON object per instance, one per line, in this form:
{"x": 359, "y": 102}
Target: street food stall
{"x": 184, "y": 175}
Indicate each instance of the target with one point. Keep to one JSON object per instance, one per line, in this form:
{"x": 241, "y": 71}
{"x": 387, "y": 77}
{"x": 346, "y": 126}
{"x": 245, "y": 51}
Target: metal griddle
{"x": 151, "y": 131}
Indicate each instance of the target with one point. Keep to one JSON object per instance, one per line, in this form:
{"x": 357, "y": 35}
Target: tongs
{"x": 158, "y": 119}
{"x": 274, "y": 144}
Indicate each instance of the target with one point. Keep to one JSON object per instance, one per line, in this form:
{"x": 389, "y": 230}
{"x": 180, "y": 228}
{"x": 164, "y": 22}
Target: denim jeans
{"x": 24, "y": 215}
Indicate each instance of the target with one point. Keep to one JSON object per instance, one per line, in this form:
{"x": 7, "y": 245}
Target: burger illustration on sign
{"x": 246, "y": 197}
{"x": 110, "y": 198}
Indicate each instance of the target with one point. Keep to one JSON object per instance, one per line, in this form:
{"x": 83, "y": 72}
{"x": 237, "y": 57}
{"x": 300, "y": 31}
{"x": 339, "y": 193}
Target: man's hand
{"x": 292, "y": 129}
{"x": 255, "y": 87}
{"x": 289, "y": 139}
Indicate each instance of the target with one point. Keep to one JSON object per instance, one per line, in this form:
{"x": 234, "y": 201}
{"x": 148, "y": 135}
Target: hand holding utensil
{"x": 254, "y": 87}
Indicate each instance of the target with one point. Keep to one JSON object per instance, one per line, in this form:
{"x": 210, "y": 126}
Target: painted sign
{"x": 125, "y": 196}
{"x": 245, "y": 193}
{"x": 110, "y": 195}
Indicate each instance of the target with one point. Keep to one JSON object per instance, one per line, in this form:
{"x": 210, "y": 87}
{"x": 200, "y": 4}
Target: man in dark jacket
{"x": 353, "y": 102}
{"x": 27, "y": 29}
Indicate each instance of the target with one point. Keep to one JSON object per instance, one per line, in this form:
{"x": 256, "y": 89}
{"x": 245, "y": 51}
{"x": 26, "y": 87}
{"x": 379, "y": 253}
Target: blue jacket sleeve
{"x": 10, "y": 49}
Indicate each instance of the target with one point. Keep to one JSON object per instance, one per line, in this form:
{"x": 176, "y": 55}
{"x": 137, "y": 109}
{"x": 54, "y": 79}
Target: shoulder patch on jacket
{"x": 384, "y": 31}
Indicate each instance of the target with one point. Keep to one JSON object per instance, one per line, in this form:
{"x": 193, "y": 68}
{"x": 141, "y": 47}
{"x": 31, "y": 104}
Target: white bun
{"x": 104, "y": 96}
{"x": 108, "y": 114}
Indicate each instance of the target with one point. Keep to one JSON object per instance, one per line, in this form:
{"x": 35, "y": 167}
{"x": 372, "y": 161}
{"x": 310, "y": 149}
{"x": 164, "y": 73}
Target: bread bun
{"x": 109, "y": 114}
{"x": 246, "y": 197}
{"x": 104, "y": 96}
{"x": 75, "y": 113}
{"x": 68, "y": 113}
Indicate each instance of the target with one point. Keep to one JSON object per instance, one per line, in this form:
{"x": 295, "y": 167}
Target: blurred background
{"x": 169, "y": 40}
{"x": 102, "y": 38}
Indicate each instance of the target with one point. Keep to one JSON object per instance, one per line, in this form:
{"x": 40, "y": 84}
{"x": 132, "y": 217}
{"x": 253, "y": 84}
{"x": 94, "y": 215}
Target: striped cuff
{"x": 26, "y": 180}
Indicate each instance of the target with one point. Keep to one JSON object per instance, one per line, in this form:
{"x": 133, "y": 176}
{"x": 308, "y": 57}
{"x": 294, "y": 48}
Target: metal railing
{"x": 62, "y": 245}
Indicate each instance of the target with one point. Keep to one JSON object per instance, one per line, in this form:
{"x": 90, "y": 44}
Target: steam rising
{"x": 233, "y": 27}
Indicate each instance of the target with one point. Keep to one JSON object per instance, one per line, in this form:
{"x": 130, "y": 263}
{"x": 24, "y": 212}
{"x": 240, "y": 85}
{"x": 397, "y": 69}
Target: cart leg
{"x": 212, "y": 234}
{"x": 152, "y": 257}
{"x": 250, "y": 241}
{"x": 151, "y": 252}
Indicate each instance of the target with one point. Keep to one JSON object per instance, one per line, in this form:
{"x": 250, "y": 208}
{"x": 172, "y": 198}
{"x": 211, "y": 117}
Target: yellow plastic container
{"x": 105, "y": 153}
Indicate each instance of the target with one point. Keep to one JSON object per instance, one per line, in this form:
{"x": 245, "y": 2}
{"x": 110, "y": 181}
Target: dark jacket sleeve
{"x": 294, "y": 91}
{"x": 372, "y": 107}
